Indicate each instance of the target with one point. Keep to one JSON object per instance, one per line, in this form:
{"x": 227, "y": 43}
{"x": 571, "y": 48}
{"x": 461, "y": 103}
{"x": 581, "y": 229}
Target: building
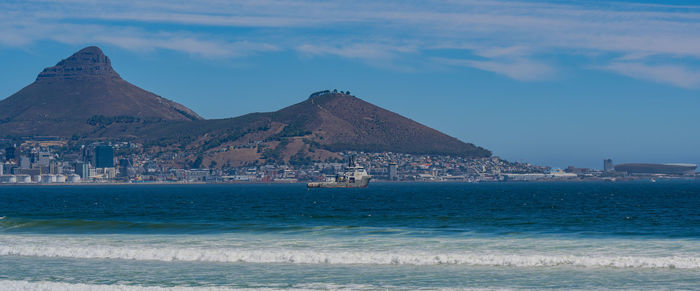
{"x": 83, "y": 170}
{"x": 104, "y": 156}
{"x": 651, "y": 169}
{"x": 197, "y": 175}
{"x": 25, "y": 162}
{"x": 393, "y": 171}
{"x": 104, "y": 173}
{"x": 608, "y": 165}
{"x": 44, "y": 159}
{"x": 11, "y": 153}
{"x": 126, "y": 168}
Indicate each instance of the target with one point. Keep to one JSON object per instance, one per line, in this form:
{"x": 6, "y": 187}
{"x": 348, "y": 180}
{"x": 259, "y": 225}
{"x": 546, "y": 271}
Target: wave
{"x": 92, "y": 226}
{"x": 61, "y": 286}
{"x": 53, "y": 226}
{"x": 296, "y": 256}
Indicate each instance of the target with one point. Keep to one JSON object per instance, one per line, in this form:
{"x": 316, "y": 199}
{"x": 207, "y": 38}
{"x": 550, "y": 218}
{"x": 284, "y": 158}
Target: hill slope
{"x": 84, "y": 86}
{"x": 83, "y": 96}
{"x": 345, "y": 122}
{"x": 312, "y": 130}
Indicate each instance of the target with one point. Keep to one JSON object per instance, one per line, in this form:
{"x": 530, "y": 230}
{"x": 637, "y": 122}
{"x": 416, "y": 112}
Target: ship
{"x": 354, "y": 176}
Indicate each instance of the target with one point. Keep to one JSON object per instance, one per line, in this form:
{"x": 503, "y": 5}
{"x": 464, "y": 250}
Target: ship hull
{"x": 359, "y": 184}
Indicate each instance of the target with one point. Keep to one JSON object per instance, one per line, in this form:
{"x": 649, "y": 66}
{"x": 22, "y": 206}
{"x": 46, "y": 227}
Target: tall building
{"x": 608, "y": 165}
{"x": 44, "y": 158}
{"x": 393, "y": 171}
{"x": 104, "y": 156}
{"x": 12, "y": 153}
{"x": 126, "y": 168}
{"x": 25, "y": 162}
{"x": 82, "y": 169}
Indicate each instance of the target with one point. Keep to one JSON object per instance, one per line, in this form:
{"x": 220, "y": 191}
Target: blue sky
{"x": 557, "y": 83}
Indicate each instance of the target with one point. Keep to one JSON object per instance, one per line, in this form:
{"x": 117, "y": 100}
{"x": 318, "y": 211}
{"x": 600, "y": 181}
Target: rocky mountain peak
{"x": 89, "y": 62}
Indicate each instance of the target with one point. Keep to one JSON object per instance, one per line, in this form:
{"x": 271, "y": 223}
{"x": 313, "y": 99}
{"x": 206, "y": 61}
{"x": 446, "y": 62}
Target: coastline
{"x": 637, "y": 180}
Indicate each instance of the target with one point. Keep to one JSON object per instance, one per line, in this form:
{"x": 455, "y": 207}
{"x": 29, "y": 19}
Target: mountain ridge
{"x": 84, "y": 96}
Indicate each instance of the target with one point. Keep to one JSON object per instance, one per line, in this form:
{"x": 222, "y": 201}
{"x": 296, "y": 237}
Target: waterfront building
{"x": 393, "y": 171}
{"x": 608, "y": 165}
{"x": 82, "y": 169}
{"x": 126, "y": 168}
{"x": 663, "y": 169}
{"x": 104, "y": 156}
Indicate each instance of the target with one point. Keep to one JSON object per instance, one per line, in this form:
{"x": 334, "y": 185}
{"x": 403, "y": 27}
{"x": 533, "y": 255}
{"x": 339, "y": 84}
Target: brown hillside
{"x": 82, "y": 96}
{"x": 330, "y": 122}
{"x": 344, "y": 122}
{"x": 84, "y": 86}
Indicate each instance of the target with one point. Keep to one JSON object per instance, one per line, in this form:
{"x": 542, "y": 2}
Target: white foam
{"x": 61, "y": 286}
{"x": 313, "y": 256}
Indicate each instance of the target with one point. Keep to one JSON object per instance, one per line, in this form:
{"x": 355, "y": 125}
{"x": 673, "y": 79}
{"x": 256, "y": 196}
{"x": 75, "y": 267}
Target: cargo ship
{"x": 354, "y": 176}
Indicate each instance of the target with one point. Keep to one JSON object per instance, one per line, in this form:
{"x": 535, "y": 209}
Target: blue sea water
{"x": 633, "y": 235}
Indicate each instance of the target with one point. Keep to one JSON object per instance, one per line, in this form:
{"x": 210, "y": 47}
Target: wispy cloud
{"x": 356, "y": 50}
{"x": 505, "y": 37}
{"x": 129, "y": 38}
{"x": 676, "y": 75}
{"x": 518, "y": 69}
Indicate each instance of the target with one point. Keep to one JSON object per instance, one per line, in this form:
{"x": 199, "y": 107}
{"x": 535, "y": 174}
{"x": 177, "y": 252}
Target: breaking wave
{"x": 295, "y": 256}
{"x": 61, "y": 286}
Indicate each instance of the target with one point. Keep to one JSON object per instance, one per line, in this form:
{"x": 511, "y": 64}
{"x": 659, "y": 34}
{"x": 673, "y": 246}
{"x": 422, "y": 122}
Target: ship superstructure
{"x": 354, "y": 176}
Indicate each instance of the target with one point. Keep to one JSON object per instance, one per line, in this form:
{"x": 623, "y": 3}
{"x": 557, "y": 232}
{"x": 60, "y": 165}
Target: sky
{"x": 554, "y": 83}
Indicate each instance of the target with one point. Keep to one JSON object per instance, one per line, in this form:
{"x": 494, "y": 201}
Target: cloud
{"x": 669, "y": 74}
{"x": 129, "y": 38}
{"x": 519, "y": 69}
{"x": 188, "y": 45}
{"x": 355, "y": 51}
{"x": 507, "y": 37}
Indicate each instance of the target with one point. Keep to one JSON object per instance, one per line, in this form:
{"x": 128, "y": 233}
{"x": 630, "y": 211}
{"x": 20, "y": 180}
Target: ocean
{"x": 630, "y": 235}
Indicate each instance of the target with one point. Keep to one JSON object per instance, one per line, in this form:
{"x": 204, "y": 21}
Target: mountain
{"x": 83, "y": 97}
{"x": 82, "y": 87}
{"x": 312, "y": 130}
{"x": 344, "y": 122}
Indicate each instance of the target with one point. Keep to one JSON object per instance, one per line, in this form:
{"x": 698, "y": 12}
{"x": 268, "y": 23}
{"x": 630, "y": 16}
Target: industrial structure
{"x": 661, "y": 169}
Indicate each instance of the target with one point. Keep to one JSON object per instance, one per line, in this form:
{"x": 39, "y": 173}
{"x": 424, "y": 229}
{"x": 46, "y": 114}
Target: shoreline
{"x": 647, "y": 180}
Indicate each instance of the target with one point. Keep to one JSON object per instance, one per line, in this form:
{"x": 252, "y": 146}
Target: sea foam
{"x": 62, "y": 286}
{"x": 314, "y": 256}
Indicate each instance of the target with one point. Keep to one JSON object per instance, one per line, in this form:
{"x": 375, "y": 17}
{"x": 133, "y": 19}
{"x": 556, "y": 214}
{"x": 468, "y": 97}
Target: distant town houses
{"x": 58, "y": 161}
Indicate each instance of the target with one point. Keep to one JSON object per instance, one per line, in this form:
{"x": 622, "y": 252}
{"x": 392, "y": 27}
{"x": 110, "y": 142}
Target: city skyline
{"x": 629, "y": 94}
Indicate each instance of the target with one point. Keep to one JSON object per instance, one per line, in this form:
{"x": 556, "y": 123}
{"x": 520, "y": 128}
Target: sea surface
{"x": 632, "y": 235}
